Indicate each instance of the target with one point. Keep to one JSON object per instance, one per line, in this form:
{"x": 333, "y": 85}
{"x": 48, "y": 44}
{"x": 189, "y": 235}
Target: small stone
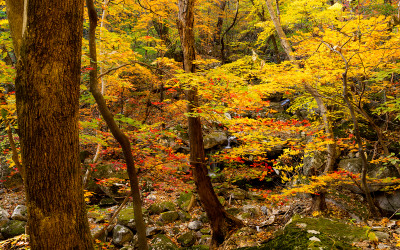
{"x": 184, "y": 216}
{"x": 169, "y": 216}
{"x": 301, "y": 225}
{"x": 155, "y": 209}
{"x": 106, "y": 202}
{"x": 314, "y": 239}
{"x": 150, "y": 231}
{"x": 205, "y": 240}
{"x": 195, "y": 225}
{"x": 205, "y": 231}
{"x": 187, "y": 239}
{"x": 313, "y": 232}
{"x": 383, "y": 246}
{"x": 151, "y": 197}
{"x": 161, "y": 242}
{"x": 381, "y": 235}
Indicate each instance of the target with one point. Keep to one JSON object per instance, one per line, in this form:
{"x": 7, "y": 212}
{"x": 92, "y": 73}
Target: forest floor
{"x": 259, "y": 229}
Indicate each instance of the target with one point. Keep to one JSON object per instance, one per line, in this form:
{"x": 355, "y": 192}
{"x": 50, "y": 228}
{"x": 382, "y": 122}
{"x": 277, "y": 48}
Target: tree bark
{"x": 282, "y": 36}
{"x": 15, "y": 10}
{"x": 374, "y": 212}
{"x": 47, "y": 95}
{"x": 331, "y": 148}
{"x": 222, "y": 224}
{"x": 122, "y": 139}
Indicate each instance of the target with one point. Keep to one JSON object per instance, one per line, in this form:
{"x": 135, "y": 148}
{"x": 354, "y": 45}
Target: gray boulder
{"x": 3, "y": 216}
{"x": 195, "y": 225}
{"x": 315, "y": 162}
{"x": 253, "y": 211}
{"x": 354, "y": 165}
{"x": 121, "y": 235}
{"x": 20, "y": 213}
{"x": 390, "y": 203}
{"x": 217, "y": 138}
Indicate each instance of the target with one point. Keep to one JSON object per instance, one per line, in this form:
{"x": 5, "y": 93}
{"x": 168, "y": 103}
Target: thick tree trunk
{"x": 222, "y": 224}
{"x": 47, "y": 92}
{"x": 122, "y": 139}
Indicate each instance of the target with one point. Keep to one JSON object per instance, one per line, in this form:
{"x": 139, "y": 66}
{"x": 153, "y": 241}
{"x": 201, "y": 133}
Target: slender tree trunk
{"x": 15, "y": 10}
{"x": 47, "y": 93}
{"x": 282, "y": 36}
{"x": 217, "y": 34}
{"x": 372, "y": 208}
{"x": 331, "y": 147}
{"x": 117, "y": 133}
{"x": 222, "y": 224}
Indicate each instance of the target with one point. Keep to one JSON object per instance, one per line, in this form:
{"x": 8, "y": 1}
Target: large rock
{"x": 162, "y": 242}
{"x": 3, "y": 216}
{"x": 354, "y": 165}
{"x": 314, "y": 162}
{"x": 320, "y": 233}
{"x": 215, "y": 139}
{"x": 13, "y": 228}
{"x": 388, "y": 202}
{"x": 121, "y": 235}
{"x": 20, "y": 213}
{"x": 126, "y": 217}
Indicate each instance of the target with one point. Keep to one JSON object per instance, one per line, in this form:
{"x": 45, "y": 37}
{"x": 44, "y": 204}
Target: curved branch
{"x": 122, "y": 139}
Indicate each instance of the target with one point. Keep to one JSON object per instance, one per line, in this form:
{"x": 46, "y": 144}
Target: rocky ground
{"x": 290, "y": 225}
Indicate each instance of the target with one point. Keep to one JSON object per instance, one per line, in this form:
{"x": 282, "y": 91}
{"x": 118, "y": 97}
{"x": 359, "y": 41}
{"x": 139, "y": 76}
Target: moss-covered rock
{"x": 106, "y": 202}
{"x": 168, "y": 206}
{"x": 13, "y": 228}
{"x": 96, "y": 216}
{"x": 184, "y": 199}
{"x": 233, "y": 211}
{"x": 162, "y": 242}
{"x": 184, "y": 216}
{"x": 187, "y": 239}
{"x": 169, "y": 216}
{"x": 316, "y": 233}
{"x": 198, "y": 247}
{"x": 155, "y": 209}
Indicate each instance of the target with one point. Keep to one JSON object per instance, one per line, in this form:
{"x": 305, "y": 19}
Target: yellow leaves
{"x": 316, "y": 213}
{"x": 87, "y": 195}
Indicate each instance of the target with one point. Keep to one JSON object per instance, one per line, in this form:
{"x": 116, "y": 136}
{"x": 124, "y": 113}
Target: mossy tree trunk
{"x": 47, "y": 93}
{"x": 222, "y": 224}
